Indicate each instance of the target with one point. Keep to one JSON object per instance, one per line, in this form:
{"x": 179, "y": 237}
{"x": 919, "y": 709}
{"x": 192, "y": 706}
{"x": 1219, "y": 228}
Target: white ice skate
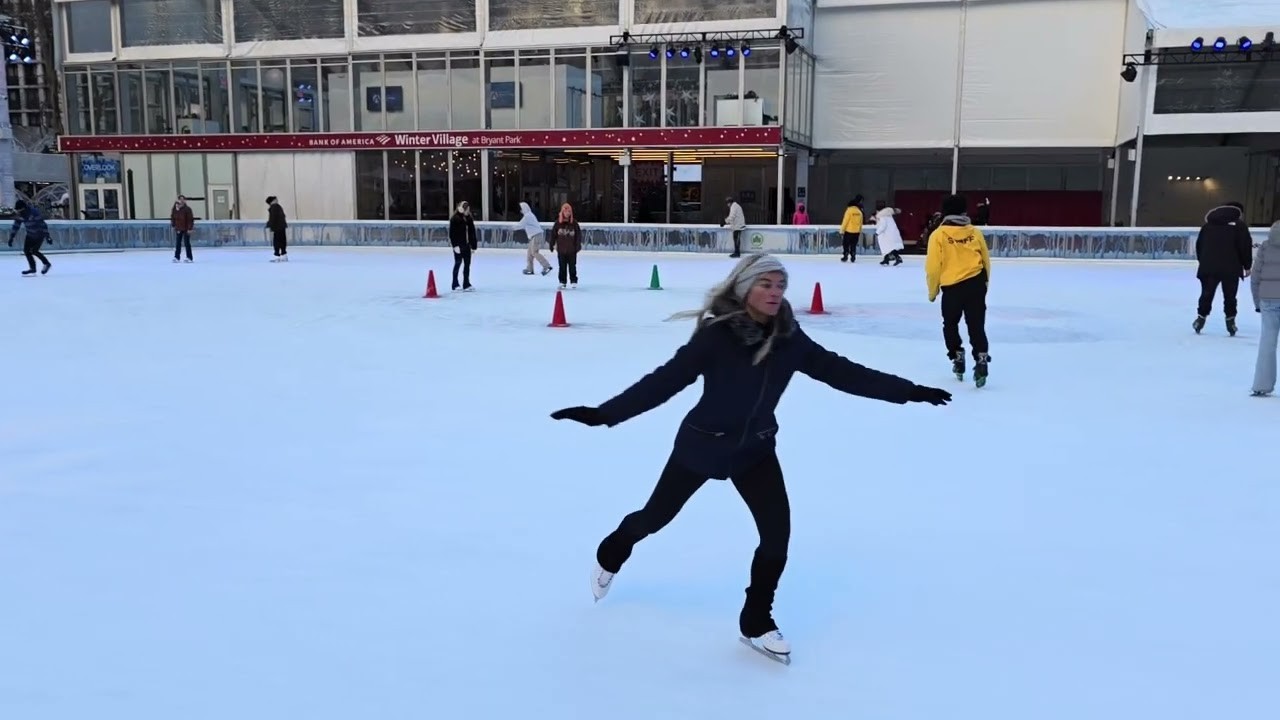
{"x": 600, "y": 582}
{"x": 772, "y": 645}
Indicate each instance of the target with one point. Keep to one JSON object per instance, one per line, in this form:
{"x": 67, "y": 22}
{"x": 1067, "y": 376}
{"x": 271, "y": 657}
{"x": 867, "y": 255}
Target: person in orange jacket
{"x": 958, "y": 264}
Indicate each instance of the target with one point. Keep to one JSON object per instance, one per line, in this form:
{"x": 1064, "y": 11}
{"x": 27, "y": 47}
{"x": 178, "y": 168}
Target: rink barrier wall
{"x": 1009, "y": 242}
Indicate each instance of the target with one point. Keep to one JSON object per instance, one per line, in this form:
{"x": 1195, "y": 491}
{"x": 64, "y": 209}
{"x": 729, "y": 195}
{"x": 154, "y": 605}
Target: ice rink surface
{"x": 236, "y": 489}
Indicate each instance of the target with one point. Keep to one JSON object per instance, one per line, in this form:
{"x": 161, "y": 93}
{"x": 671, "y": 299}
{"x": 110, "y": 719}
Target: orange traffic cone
{"x": 816, "y": 307}
{"x": 431, "y": 285}
{"x": 557, "y": 316}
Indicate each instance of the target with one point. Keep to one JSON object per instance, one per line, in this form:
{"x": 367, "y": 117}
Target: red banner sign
{"x": 603, "y": 138}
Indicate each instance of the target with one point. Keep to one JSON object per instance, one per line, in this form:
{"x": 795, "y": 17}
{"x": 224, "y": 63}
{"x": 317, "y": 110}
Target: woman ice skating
{"x": 566, "y": 243}
{"x": 532, "y": 230}
{"x": 1265, "y": 286}
{"x": 278, "y": 224}
{"x": 36, "y": 229}
{"x": 462, "y": 237}
{"x": 746, "y": 345}
{"x": 888, "y": 238}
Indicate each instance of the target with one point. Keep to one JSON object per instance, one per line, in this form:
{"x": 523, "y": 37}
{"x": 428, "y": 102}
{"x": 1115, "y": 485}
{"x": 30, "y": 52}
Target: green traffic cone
{"x": 653, "y": 280}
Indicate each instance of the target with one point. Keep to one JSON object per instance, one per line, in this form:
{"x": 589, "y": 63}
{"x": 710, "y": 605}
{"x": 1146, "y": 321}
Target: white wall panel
{"x": 311, "y": 186}
{"x": 261, "y": 175}
{"x": 1131, "y": 102}
{"x": 886, "y": 76}
{"x": 1042, "y": 73}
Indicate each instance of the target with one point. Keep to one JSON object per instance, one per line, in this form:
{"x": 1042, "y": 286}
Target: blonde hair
{"x": 725, "y": 300}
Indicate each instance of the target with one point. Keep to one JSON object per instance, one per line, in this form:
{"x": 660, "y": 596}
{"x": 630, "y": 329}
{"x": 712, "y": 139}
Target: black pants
{"x": 1209, "y": 288}
{"x": 31, "y": 248}
{"x": 966, "y": 299}
{"x": 568, "y": 268}
{"x": 462, "y": 261}
{"x": 851, "y": 246}
{"x": 184, "y": 240}
{"x": 737, "y": 243}
{"x": 279, "y": 242}
{"x": 763, "y": 490}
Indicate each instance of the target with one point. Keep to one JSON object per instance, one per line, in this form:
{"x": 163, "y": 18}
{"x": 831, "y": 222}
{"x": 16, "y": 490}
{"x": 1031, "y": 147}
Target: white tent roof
{"x": 1210, "y": 14}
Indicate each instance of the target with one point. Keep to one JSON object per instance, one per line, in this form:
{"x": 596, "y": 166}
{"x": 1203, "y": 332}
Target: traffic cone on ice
{"x": 557, "y": 316}
{"x": 431, "y": 285}
{"x": 816, "y": 307}
{"x": 654, "y": 284}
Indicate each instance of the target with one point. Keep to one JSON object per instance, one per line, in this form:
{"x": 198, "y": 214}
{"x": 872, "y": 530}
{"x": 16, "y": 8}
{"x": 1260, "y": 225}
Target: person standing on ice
{"x": 1265, "y": 285}
{"x": 851, "y": 229}
{"x": 888, "y": 238}
{"x": 278, "y": 224}
{"x": 736, "y": 221}
{"x": 566, "y": 243}
{"x": 183, "y": 220}
{"x": 462, "y": 237}
{"x": 533, "y": 231}
{"x": 36, "y": 230}
{"x": 1224, "y": 251}
{"x": 958, "y": 264}
{"x": 746, "y": 345}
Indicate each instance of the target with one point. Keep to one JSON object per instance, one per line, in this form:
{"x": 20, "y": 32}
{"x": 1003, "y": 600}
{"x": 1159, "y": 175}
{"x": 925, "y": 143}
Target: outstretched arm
{"x": 663, "y": 383}
{"x": 845, "y": 375}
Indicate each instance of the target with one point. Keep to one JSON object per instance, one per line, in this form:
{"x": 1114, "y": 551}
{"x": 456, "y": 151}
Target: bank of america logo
{"x": 383, "y": 139}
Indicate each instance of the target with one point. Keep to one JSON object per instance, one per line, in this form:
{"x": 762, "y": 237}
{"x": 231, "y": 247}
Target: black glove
{"x": 931, "y": 395}
{"x": 588, "y": 416}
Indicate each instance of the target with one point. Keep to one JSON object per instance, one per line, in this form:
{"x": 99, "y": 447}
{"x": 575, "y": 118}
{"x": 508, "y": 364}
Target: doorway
{"x": 100, "y": 201}
{"x": 221, "y": 202}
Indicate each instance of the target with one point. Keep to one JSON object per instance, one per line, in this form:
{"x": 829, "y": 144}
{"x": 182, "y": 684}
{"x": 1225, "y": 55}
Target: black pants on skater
{"x": 183, "y": 240}
{"x": 31, "y": 249}
{"x": 462, "y": 261}
{"x": 1209, "y": 288}
{"x": 763, "y": 490}
{"x": 279, "y": 242}
{"x": 737, "y": 243}
{"x": 568, "y": 268}
{"x": 851, "y": 246}
{"x": 965, "y": 300}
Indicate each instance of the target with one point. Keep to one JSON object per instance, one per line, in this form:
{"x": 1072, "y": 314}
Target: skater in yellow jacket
{"x": 851, "y": 229}
{"x": 958, "y": 265}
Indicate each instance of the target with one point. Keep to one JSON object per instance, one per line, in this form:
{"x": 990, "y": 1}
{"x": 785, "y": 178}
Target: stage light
{"x": 729, "y": 51}
{"x": 1197, "y": 45}
{"x": 1130, "y": 72}
{"x": 1245, "y": 43}
{"x": 1220, "y": 44}
{"x": 684, "y": 52}
{"x": 670, "y": 53}
{"x": 715, "y": 51}
{"x": 653, "y": 53}
{"x": 746, "y": 49}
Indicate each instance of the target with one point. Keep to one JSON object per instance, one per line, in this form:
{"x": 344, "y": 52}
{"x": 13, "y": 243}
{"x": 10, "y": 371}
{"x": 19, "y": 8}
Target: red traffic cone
{"x": 816, "y": 307}
{"x": 557, "y": 316}
{"x": 431, "y": 285}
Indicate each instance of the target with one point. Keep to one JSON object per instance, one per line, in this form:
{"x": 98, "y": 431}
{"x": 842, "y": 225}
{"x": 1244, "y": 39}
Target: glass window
{"x": 273, "y": 79}
{"x": 187, "y": 108}
{"x": 131, "y": 105}
{"x": 433, "y": 93}
{"x": 723, "y": 107}
{"x": 465, "y": 96}
{"x": 283, "y": 20}
{"x": 684, "y": 11}
{"x": 1215, "y": 88}
{"x": 684, "y": 80}
{"x": 399, "y": 92}
{"x": 304, "y": 83}
{"x": 415, "y": 17}
{"x": 79, "y": 120}
{"x": 402, "y": 185}
{"x": 89, "y": 26}
{"x": 646, "y": 89}
{"x": 335, "y": 93}
{"x": 534, "y": 93}
{"x": 105, "y": 106}
{"x": 215, "y": 86}
{"x": 466, "y": 181}
{"x": 525, "y": 15}
{"x": 761, "y": 91}
{"x": 606, "y": 88}
{"x": 246, "y": 111}
{"x": 171, "y": 22}
{"x": 368, "y": 93}
{"x": 157, "y": 91}
{"x": 433, "y": 178}
{"x": 370, "y": 198}
{"x": 500, "y": 91}
{"x": 570, "y": 74}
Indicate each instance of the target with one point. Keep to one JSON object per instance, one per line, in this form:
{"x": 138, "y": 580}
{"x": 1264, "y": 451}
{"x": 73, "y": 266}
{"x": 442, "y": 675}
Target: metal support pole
{"x": 1147, "y": 72}
{"x": 780, "y": 194}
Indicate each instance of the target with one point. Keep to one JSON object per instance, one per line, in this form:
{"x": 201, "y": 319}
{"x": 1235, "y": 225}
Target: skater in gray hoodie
{"x": 1265, "y": 284}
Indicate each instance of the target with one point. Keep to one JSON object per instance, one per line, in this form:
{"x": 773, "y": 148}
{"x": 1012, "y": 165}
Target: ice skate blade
{"x": 980, "y": 382}
{"x": 784, "y": 659}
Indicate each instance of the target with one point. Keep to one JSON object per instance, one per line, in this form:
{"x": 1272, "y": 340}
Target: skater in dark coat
{"x": 462, "y": 237}
{"x": 566, "y": 243}
{"x": 278, "y": 225}
{"x": 37, "y": 231}
{"x": 746, "y": 345}
{"x": 1224, "y": 249}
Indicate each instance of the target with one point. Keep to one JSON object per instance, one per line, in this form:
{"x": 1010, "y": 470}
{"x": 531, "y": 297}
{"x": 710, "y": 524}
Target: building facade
{"x": 630, "y": 110}
{"x": 31, "y": 92}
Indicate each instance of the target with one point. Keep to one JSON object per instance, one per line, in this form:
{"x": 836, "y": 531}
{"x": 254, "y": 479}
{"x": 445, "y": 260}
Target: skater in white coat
{"x": 887, "y": 235}
{"x": 746, "y": 345}
{"x": 532, "y": 230}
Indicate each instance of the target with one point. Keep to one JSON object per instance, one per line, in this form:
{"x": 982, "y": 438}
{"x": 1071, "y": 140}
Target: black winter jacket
{"x": 732, "y": 427}
{"x": 462, "y": 231}
{"x": 1224, "y": 247}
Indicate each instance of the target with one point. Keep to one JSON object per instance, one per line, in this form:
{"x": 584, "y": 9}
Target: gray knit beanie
{"x": 749, "y": 270}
